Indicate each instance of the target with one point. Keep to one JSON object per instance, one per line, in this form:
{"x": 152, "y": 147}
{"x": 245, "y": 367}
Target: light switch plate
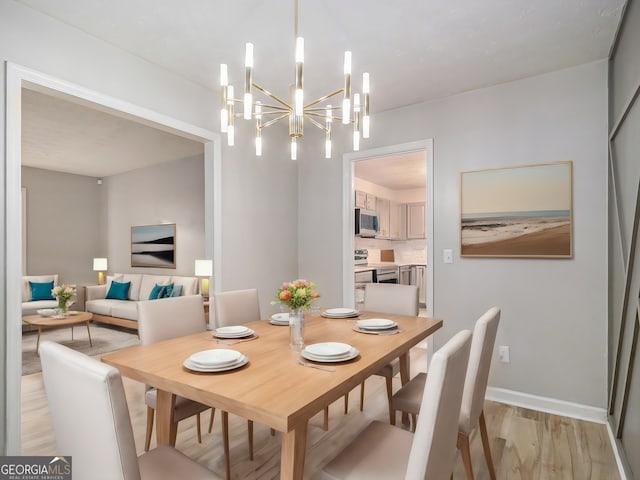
{"x": 447, "y": 255}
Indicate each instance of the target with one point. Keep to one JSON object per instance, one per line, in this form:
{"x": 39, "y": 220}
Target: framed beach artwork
{"x": 517, "y": 212}
{"x": 153, "y": 246}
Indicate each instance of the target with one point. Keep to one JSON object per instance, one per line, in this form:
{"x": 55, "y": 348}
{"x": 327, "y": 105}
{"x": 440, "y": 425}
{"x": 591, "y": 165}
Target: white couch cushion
{"x": 26, "y": 289}
{"x": 150, "y": 281}
{"x": 128, "y": 310}
{"x": 101, "y": 306}
{"x": 189, "y": 284}
{"x": 31, "y": 308}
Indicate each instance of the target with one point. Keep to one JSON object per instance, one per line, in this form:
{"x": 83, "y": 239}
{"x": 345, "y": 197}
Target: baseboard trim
{"x": 616, "y": 453}
{"x": 548, "y": 405}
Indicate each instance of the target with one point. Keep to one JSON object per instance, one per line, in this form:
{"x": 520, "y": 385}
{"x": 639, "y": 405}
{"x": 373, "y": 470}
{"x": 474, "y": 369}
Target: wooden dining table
{"x": 272, "y": 388}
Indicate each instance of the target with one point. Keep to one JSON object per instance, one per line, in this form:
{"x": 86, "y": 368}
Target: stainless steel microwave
{"x": 367, "y": 223}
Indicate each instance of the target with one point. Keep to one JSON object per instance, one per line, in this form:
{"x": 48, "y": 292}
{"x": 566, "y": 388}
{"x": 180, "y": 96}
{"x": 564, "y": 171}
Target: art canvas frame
{"x": 153, "y": 246}
{"x": 523, "y": 211}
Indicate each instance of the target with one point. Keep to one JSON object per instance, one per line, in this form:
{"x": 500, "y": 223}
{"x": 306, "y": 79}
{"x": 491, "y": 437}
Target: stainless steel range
{"x": 386, "y": 274}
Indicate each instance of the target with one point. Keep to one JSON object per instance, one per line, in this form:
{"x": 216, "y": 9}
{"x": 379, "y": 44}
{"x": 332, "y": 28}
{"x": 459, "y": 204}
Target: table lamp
{"x": 100, "y": 266}
{"x": 204, "y": 268}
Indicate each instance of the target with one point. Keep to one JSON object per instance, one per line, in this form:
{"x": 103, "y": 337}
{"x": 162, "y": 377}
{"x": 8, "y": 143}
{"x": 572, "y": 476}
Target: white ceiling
{"x": 415, "y": 50}
{"x": 397, "y": 172}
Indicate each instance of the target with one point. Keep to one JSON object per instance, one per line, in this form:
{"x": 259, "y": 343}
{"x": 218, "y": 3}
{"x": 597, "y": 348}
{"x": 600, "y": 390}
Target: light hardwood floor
{"x": 525, "y": 444}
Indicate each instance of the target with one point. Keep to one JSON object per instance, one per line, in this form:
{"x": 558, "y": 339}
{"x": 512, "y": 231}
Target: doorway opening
{"x": 412, "y": 216}
{"x": 18, "y": 78}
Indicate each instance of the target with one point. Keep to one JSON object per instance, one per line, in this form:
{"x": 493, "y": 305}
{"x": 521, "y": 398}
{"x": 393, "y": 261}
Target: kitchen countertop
{"x": 374, "y": 266}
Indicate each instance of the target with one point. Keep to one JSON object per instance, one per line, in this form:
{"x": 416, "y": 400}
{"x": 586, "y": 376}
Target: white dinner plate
{"x": 233, "y": 332}
{"x": 340, "y": 313}
{"x": 215, "y": 358}
{"x": 280, "y": 317}
{"x": 328, "y": 349}
{"x": 350, "y": 355}
{"x": 198, "y": 368}
{"x": 376, "y": 324}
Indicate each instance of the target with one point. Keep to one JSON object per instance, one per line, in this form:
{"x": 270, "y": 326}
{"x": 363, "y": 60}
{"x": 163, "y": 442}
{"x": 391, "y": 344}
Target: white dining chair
{"x": 91, "y": 422}
{"x": 395, "y": 299}
{"x": 409, "y": 398}
{"x": 383, "y": 452}
{"x": 236, "y": 307}
{"x": 170, "y": 318}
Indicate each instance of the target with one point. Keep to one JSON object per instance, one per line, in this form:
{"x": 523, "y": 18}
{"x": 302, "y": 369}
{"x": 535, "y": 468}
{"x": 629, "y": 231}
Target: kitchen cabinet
{"x": 383, "y": 209}
{"x": 364, "y": 200}
{"x": 415, "y": 220}
{"x": 419, "y": 278}
{"x": 397, "y": 221}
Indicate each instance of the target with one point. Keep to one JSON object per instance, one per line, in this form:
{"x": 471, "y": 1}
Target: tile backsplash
{"x": 408, "y": 251}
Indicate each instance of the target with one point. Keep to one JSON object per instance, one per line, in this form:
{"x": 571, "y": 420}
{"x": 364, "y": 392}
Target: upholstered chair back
{"x": 475, "y": 387}
{"x": 236, "y": 307}
{"x": 170, "y": 318}
{"x": 391, "y": 298}
{"x": 433, "y": 449}
{"x": 90, "y": 417}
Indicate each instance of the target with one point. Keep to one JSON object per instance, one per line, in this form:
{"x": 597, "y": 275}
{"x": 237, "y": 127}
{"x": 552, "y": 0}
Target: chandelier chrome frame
{"x": 296, "y": 111}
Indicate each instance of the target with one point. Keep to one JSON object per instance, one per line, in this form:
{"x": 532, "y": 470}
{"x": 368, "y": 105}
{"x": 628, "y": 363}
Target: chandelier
{"x": 295, "y": 110}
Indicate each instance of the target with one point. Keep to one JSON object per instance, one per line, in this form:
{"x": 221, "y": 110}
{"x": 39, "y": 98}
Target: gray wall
{"x": 553, "y": 311}
{"x": 624, "y": 255}
{"x": 172, "y": 192}
{"x": 64, "y": 224}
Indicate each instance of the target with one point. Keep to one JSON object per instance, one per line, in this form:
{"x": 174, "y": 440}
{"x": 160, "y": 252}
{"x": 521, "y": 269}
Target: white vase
{"x": 296, "y": 329}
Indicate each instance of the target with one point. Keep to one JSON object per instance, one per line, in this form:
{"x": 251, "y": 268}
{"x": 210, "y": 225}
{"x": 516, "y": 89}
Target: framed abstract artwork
{"x": 153, "y": 246}
{"x": 523, "y": 211}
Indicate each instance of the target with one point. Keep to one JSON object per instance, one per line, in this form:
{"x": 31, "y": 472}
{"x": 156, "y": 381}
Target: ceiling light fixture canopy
{"x": 296, "y": 111}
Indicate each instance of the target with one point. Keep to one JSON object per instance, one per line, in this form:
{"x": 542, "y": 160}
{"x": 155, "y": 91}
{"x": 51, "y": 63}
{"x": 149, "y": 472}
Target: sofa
{"x": 124, "y": 312}
{"x": 29, "y": 306}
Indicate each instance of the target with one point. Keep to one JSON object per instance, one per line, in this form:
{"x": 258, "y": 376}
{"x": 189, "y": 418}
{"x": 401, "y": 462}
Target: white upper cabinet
{"x": 361, "y": 199}
{"x": 397, "y": 221}
{"x": 383, "y": 214}
{"x": 415, "y": 220}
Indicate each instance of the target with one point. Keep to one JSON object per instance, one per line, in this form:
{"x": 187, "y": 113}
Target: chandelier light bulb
{"x": 258, "y": 146}
{"x": 230, "y": 136}
{"x": 299, "y": 50}
{"x": 224, "y": 120}
{"x": 347, "y": 62}
{"x": 248, "y": 55}
{"x": 356, "y": 141}
{"x": 248, "y": 100}
{"x": 327, "y": 148}
{"x": 329, "y": 118}
{"x": 294, "y": 149}
{"x": 366, "y": 88}
{"x": 365, "y": 126}
{"x": 224, "y": 76}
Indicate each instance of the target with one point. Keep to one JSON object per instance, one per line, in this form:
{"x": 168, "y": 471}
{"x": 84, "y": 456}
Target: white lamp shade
{"x": 204, "y": 268}
{"x": 100, "y": 264}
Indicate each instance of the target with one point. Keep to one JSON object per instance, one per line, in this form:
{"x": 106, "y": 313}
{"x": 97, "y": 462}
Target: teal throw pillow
{"x": 118, "y": 291}
{"x": 177, "y": 291}
{"x": 156, "y": 292}
{"x": 41, "y": 290}
{"x": 167, "y": 290}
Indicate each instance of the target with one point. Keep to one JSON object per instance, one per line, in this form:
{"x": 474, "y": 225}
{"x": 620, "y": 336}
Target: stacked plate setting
{"x": 330, "y": 352}
{"x": 216, "y": 360}
{"x": 279, "y": 319}
{"x": 340, "y": 313}
{"x": 376, "y": 325}
{"x": 236, "y": 331}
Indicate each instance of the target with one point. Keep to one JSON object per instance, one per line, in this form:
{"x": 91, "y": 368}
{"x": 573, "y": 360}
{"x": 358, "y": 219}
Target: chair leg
{"x": 362, "y": 396}
{"x": 325, "y": 423}
{"x": 465, "y": 452}
{"x": 485, "y": 446}
{"x": 198, "y": 428}
{"x": 414, "y": 421}
{"x": 250, "y": 435}
{"x": 213, "y": 414}
{"x": 346, "y": 403}
{"x": 273, "y": 432}
{"x": 225, "y": 444}
{"x": 147, "y": 439}
{"x": 392, "y": 417}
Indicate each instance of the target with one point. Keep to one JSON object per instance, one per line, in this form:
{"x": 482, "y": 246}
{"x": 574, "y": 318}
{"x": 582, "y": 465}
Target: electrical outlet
{"x": 503, "y": 352}
{"x": 447, "y": 255}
